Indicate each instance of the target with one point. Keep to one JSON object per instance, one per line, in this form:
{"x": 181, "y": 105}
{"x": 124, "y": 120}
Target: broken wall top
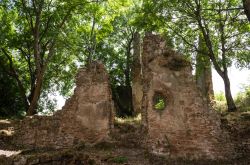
{"x": 92, "y": 73}
{"x": 154, "y": 47}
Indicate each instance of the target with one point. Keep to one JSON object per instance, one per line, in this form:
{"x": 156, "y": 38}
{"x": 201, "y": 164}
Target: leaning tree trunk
{"x": 38, "y": 62}
{"x": 34, "y": 101}
{"x": 246, "y": 5}
{"x": 230, "y": 102}
{"x": 202, "y": 24}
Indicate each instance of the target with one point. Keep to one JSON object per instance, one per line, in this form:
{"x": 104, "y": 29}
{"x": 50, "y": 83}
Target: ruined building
{"x": 87, "y": 117}
{"x": 185, "y": 126}
{"x": 177, "y": 122}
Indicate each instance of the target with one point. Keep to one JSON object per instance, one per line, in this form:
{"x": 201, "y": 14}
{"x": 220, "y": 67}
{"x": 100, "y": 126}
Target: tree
{"x": 221, "y": 61}
{"x": 11, "y": 104}
{"x": 246, "y": 5}
{"x": 120, "y": 41}
{"x": 224, "y": 30}
{"x": 32, "y": 46}
{"x": 113, "y": 33}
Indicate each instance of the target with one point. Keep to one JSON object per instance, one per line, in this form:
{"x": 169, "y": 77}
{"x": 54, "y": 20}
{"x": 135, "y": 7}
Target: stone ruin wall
{"x": 86, "y": 117}
{"x": 187, "y": 127}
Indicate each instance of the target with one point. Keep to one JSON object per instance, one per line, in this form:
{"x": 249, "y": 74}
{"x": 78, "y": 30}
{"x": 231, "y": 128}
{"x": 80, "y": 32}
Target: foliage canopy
{"x": 43, "y": 42}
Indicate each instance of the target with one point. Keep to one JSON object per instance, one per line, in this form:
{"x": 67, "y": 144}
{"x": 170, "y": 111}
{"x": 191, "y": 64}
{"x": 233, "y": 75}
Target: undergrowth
{"x": 242, "y": 101}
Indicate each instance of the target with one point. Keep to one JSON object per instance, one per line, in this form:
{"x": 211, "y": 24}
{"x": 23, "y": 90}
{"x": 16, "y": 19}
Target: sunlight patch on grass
{"x": 9, "y": 153}
{"x": 136, "y": 119}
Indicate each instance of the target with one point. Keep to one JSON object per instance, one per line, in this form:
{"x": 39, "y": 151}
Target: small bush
{"x": 220, "y": 106}
{"x": 219, "y": 96}
{"x": 243, "y": 99}
{"x": 159, "y": 101}
{"x": 220, "y": 103}
{"x": 160, "y": 105}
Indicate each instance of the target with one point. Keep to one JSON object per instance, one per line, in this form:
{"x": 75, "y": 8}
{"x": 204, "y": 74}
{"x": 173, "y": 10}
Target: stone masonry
{"x": 187, "y": 127}
{"x": 86, "y": 117}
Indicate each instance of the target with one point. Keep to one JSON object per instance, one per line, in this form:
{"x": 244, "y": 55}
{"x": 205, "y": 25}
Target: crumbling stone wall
{"x": 186, "y": 127}
{"x": 86, "y": 117}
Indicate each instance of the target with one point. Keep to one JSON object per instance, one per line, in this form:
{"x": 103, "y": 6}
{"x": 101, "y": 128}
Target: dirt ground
{"x": 124, "y": 148}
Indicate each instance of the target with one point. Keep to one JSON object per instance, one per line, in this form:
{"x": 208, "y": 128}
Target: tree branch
{"x": 15, "y": 75}
{"x": 205, "y": 32}
{"x": 28, "y": 15}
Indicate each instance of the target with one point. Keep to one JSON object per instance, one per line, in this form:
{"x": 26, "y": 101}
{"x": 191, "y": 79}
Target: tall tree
{"x": 221, "y": 61}
{"x": 223, "y": 28}
{"x": 31, "y": 49}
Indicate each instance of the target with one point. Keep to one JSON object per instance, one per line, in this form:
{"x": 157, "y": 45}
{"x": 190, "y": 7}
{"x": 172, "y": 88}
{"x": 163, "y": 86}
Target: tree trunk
{"x": 127, "y": 70}
{"x": 38, "y": 61}
{"x": 223, "y": 73}
{"x": 128, "y": 61}
{"x": 230, "y": 102}
{"x": 36, "y": 95}
{"x": 246, "y": 5}
{"x": 127, "y": 78}
{"x": 136, "y": 75}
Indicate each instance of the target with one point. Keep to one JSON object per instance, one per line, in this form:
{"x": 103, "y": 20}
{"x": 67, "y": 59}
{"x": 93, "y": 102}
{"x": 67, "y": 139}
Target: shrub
{"x": 160, "y": 105}
{"x": 243, "y": 99}
{"x": 220, "y": 103}
{"x": 219, "y": 96}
